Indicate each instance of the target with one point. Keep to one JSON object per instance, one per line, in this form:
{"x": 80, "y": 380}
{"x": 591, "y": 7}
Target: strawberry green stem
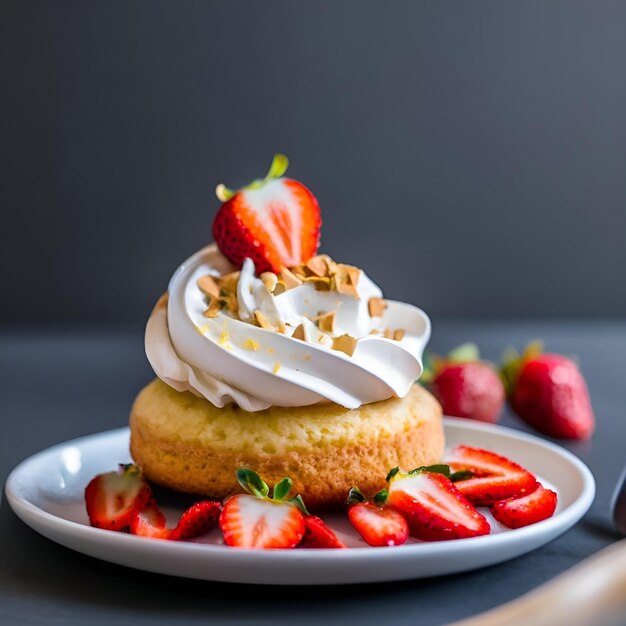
{"x": 279, "y": 166}
{"x": 512, "y": 363}
{"x": 467, "y": 352}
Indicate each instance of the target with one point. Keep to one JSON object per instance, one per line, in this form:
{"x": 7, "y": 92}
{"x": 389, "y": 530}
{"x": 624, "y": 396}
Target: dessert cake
{"x": 271, "y": 356}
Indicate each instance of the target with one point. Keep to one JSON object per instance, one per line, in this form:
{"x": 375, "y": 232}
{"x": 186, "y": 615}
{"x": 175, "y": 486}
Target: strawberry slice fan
{"x": 431, "y": 503}
{"x": 275, "y": 221}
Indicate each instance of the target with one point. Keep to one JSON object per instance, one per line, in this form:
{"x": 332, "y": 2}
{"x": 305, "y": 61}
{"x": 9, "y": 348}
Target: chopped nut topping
{"x": 270, "y": 280}
{"x": 262, "y": 321}
{"x": 298, "y": 333}
{"x": 213, "y": 309}
{"x": 347, "y": 279}
{"x": 221, "y": 293}
{"x": 345, "y": 343}
{"x": 209, "y": 286}
{"x": 319, "y": 265}
{"x": 325, "y": 321}
{"x": 289, "y": 279}
{"x": 230, "y": 303}
{"x": 228, "y": 282}
{"x": 397, "y": 334}
{"x": 321, "y": 283}
{"x": 376, "y": 307}
{"x": 299, "y": 271}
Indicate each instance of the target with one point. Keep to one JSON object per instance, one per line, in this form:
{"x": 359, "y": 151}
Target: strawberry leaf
{"x": 381, "y": 497}
{"x": 392, "y": 473}
{"x": 439, "y": 468}
{"x": 355, "y": 495}
{"x": 461, "y": 475}
{"x": 252, "y": 482}
{"x": 299, "y": 502}
{"x": 512, "y": 363}
{"x": 282, "y": 488}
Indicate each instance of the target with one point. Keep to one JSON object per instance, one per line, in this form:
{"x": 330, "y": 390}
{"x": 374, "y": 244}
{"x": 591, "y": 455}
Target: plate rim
{"x": 564, "y": 519}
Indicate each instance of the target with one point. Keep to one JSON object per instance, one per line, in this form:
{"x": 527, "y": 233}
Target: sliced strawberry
{"x": 433, "y": 507}
{"x": 537, "y": 505}
{"x": 378, "y": 525}
{"x": 275, "y": 221}
{"x": 258, "y": 521}
{"x": 114, "y": 498}
{"x": 197, "y": 520}
{"x": 495, "y": 477}
{"x": 150, "y": 522}
{"x": 317, "y": 534}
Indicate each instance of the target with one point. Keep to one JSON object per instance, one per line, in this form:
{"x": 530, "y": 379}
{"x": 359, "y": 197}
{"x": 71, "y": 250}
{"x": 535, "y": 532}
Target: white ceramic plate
{"x": 46, "y": 492}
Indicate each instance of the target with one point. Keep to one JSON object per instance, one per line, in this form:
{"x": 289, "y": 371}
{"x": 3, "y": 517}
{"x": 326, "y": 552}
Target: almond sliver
{"x": 345, "y": 343}
{"x": 376, "y": 307}
{"x": 208, "y": 285}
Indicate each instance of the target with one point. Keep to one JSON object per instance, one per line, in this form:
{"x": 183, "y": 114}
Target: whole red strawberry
{"x": 466, "y": 386}
{"x": 549, "y": 392}
{"x": 274, "y": 221}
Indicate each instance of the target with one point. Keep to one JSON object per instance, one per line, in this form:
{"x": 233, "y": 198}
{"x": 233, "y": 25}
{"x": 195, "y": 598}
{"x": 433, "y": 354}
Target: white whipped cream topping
{"x": 224, "y": 359}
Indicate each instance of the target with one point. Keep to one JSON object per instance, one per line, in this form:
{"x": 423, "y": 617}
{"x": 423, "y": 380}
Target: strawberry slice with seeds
{"x": 317, "y": 534}
{"x": 433, "y": 507}
{"x": 113, "y": 499}
{"x": 274, "y": 221}
{"x": 493, "y": 477}
{"x": 256, "y": 520}
{"x": 150, "y": 522}
{"x": 197, "y": 520}
{"x": 534, "y": 507}
{"x": 378, "y": 524}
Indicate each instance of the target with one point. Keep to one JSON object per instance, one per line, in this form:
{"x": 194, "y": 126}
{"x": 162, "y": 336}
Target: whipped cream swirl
{"x": 225, "y": 359}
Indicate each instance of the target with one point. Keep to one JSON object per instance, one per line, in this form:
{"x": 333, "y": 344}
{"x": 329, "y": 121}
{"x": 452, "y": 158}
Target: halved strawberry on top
{"x": 274, "y": 221}
{"x": 492, "y": 477}
{"x": 433, "y": 507}
{"x": 113, "y": 499}
{"x": 256, "y": 520}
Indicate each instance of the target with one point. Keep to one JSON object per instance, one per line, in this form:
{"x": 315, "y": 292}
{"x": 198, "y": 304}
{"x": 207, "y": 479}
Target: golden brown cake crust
{"x": 187, "y": 444}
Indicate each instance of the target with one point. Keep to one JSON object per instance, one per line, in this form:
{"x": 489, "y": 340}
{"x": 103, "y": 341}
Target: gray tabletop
{"x": 60, "y": 384}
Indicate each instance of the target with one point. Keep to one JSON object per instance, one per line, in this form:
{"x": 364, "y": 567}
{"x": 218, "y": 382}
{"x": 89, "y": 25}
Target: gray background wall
{"x": 470, "y": 156}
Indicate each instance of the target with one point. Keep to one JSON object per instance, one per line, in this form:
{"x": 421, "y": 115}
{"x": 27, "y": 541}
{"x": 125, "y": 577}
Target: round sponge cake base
{"x": 185, "y": 443}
